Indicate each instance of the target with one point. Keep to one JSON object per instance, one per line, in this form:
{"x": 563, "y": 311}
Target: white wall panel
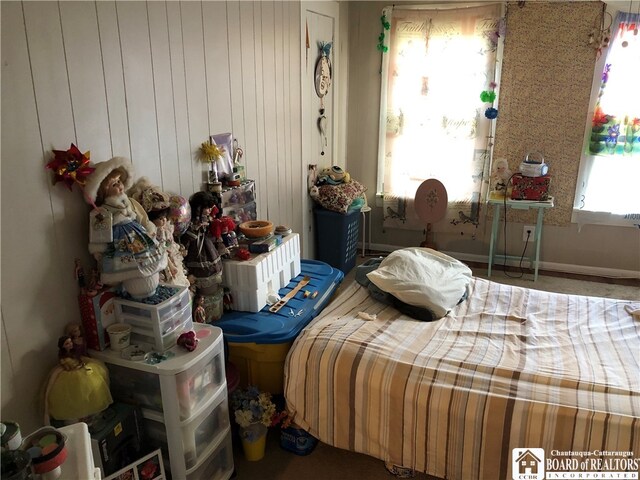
{"x": 86, "y": 80}
{"x": 268, "y": 55}
{"x": 217, "y": 66}
{"x": 235, "y": 73}
{"x": 163, "y": 95}
{"x": 248, "y": 79}
{"x": 196, "y": 82}
{"x": 113, "y": 78}
{"x": 186, "y": 166}
{"x": 133, "y": 28}
{"x": 146, "y": 80}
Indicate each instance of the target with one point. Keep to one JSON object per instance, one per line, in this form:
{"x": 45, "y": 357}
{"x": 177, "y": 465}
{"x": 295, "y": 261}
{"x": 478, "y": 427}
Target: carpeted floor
{"x": 327, "y": 462}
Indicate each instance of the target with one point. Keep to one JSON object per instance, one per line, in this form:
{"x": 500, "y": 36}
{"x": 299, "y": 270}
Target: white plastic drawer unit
{"x": 161, "y": 324}
{"x": 218, "y": 465}
{"x": 198, "y": 436}
{"x": 181, "y": 385}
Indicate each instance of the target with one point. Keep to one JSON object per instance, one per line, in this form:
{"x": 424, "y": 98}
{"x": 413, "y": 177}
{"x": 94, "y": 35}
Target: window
{"x": 434, "y": 123}
{"x": 607, "y": 190}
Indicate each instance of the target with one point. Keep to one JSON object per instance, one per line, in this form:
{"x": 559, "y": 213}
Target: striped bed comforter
{"x": 508, "y": 368}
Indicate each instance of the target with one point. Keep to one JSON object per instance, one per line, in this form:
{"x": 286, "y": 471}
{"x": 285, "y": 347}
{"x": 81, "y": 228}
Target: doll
{"x": 74, "y": 330}
{"x": 501, "y": 176}
{"x": 199, "y": 312}
{"x": 202, "y": 258}
{"x": 156, "y": 204}
{"x": 78, "y": 386}
{"x": 131, "y": 255}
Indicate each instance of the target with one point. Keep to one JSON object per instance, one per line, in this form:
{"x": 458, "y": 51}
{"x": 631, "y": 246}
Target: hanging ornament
{"x": 322, "y": 127}
{"x": 488, "y": 96}
{"x": 491, "y": 113}
{"x": 70, "y": 166}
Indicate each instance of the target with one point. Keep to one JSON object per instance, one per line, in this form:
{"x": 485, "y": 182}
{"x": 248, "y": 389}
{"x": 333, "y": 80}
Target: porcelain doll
{"x": 130, "y": 255}
{"x": 156, "y": 204}
{"x": 78, "y": 386}
{"x": 202, "y": 258}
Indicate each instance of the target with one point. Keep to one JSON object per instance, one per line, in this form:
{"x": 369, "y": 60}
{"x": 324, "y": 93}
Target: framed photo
{"x": 149, "y": 467}
{"x": 224, "y": 166}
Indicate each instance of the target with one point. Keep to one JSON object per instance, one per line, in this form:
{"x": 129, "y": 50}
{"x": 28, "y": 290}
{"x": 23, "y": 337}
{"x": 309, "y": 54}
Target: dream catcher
{"x": 600, "y": 35}
{"x": 322, "y": 83}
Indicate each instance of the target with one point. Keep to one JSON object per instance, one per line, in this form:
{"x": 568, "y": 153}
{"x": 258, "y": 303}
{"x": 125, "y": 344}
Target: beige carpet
{"x": 329, "y": 463}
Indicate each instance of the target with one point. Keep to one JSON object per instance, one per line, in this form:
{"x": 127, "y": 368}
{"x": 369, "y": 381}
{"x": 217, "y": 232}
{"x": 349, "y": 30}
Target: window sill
{"x": 584, "y": 217}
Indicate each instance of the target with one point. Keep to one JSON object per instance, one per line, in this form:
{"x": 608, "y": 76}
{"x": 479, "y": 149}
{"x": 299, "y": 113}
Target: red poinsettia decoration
{"x": 70, "y": 166}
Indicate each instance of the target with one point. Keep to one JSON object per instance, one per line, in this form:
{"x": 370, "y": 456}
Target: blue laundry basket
{"x": 336, "y": 237}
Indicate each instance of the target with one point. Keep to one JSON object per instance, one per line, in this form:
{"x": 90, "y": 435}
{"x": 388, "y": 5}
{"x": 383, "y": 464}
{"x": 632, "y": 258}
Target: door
{"x": 319, "y": 26}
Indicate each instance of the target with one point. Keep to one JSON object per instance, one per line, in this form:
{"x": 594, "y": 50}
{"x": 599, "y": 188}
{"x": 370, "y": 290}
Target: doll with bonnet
{"x": 121, "y": 233}
{"x": 157, "y": 205}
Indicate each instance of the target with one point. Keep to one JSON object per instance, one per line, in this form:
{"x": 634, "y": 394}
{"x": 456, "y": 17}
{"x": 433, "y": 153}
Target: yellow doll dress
{"x": 78, "y": 389}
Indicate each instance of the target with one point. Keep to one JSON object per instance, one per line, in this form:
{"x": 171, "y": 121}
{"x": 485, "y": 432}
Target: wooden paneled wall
{"x": 146, "y": 80}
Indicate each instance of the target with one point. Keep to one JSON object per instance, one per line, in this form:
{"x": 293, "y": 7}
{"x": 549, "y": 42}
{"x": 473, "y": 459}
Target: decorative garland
{"x": 385, "y": 26}
{"x": 488, "y": 96}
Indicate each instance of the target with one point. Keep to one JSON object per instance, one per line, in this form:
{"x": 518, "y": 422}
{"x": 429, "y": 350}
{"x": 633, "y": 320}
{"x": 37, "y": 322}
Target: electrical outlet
{"x": 528, "y": 233}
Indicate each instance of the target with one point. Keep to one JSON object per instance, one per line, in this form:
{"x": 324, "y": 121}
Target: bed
{"x": 508, "y": 368}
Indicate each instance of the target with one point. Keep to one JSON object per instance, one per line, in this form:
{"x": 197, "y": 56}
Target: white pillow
{"x": 424, "y": 278}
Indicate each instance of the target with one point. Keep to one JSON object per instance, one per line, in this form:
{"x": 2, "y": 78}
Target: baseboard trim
{"x": 586, "y": 270}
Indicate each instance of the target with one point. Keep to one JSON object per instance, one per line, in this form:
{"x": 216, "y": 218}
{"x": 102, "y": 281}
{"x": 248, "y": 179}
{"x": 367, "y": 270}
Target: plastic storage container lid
{"x": 270, "y": 328}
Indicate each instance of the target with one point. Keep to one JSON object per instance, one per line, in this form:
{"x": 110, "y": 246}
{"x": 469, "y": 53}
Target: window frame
{"x": 382, "y": 120}
{"x": 578, "y": 215}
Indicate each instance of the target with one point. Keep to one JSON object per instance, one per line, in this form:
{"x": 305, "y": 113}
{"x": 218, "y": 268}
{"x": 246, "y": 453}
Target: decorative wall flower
{"x": 70, "y": 166}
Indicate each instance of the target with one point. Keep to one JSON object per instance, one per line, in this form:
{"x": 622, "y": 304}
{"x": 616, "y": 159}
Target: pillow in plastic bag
{"x": 424, "y": 278}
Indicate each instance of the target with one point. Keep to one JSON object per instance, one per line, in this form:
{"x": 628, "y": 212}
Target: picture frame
{"x": 224, "y": 165}
{"x": 149, "y": 467}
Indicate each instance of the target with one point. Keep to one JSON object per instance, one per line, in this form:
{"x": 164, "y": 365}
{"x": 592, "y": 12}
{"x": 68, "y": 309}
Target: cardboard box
{"x": 97, "y": 313}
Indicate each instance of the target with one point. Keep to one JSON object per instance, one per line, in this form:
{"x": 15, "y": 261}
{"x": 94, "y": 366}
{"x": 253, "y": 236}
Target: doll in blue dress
{"x": 122, "y": 239}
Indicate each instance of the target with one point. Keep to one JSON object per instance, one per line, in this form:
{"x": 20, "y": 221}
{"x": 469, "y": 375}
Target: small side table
{"x": 363, "y": 211}
{"x": 517, "y": 205}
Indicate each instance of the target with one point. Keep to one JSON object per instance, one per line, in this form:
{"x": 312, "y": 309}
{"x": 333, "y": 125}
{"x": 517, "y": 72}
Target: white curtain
{"x": 436, "y": 124}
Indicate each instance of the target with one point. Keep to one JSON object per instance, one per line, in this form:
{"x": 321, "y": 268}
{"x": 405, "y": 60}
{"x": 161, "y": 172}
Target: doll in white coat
{"x": 132, "y": 255}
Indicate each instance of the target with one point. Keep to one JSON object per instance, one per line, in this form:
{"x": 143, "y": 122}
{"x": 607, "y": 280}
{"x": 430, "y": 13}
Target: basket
{"x": 336, "y": 238}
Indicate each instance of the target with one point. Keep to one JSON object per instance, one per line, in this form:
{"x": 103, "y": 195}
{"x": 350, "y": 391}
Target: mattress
{"x": 509, "y": 368}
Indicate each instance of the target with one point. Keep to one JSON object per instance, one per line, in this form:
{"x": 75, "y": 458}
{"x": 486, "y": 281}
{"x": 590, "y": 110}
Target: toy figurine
{"x": 501, "y": 176}
{"x": 132, "y": 256}
{"x": 199, "y": 313}
{"x": 77, "y": 387}
{"x": 74, "y": 330}
{"x": 202, "y": 259}
{"x": 79, "y": 273}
